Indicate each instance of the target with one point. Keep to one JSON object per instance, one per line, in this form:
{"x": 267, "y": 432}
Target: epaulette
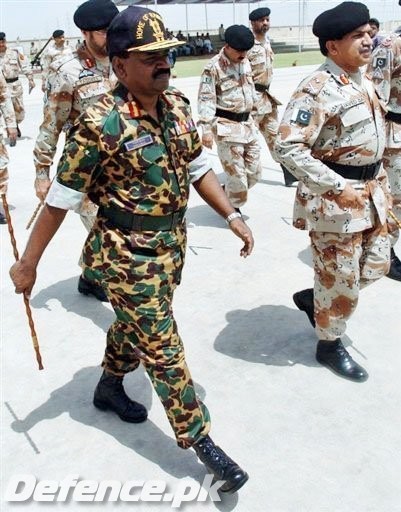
{"x": 176, "y": 92}
{"x": 316, "y": 83}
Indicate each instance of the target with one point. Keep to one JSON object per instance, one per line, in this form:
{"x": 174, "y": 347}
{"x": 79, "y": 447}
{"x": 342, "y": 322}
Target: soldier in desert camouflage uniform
{"x": 7, "y": 115}
{"x": 56, "y": 53}
{"x": 225, "y": 100}
{"x": 135, "y": 153}
{"x": 261, "y": 59}
{"x": 77, "y": 83}
{"x": 12, "y": 63}
{"x": 332, "y": 138}
{"x": 385, "y": 70}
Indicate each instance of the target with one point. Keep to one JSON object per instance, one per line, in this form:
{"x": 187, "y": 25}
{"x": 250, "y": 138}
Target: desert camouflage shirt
{"x": 337, "y": 117}
{"x": 385, "y": 71}
{"x": 76, "y": 85}
{"x": 6, "y": 106}
{"x": 261, "y": 59}
{"x": 229, "y": 87}
{"x": 121, "y": 156}
{"x": 53, "y": 57}
{"x": 13, "y": 62}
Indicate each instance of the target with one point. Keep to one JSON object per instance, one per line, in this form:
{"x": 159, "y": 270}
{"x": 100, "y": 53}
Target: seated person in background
{"x": 207, "y": 44}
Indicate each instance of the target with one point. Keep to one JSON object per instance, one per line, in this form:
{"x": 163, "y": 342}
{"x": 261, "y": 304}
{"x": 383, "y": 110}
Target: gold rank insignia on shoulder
{"x": 344, "y": 79}
{"x": 145, "y": 140}
{"x": 301, "y": 116}
{"x": 186, "y": 126}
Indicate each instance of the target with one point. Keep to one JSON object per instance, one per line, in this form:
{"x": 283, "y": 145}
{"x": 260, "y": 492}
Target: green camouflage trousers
{"x": 344, "y": 263}
{"x": 241, "y": 163}
{"x": 392, "y": 164}
{"x": 141, "y": 271}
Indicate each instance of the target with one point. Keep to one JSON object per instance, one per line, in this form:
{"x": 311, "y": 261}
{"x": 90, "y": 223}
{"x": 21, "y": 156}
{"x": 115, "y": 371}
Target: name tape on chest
{"x": 140, "y": 142}
{"x": 301, "y": 116}
{"x": 89, "y": 80}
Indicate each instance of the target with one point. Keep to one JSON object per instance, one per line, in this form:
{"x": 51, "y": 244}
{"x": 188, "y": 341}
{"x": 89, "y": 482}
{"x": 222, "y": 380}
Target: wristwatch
{"x": 232, "y": 216}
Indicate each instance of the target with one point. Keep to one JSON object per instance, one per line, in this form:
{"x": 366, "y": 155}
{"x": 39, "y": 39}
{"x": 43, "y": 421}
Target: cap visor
{"x": 157, "y": 45}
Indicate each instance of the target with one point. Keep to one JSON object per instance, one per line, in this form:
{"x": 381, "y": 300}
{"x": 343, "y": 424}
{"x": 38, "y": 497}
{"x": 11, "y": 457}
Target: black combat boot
{"x": 110, "y": 394}
{"x": 289, "y": 178}
{"x": 334, "y": 355}
{"x": 220, "y": 465}
{"x": 304, "y": 301}
{"x": 90, "y": 288}
{"x": 3, "y": 220}
{"x": 395, "y": 267}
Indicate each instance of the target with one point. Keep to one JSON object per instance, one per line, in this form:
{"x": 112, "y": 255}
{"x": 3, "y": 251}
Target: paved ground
{"x": 310, "y": 441}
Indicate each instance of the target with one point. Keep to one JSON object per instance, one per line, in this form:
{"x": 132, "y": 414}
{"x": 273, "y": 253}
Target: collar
{"x": 341, "y": 76}
{"x": 88, "y": 61}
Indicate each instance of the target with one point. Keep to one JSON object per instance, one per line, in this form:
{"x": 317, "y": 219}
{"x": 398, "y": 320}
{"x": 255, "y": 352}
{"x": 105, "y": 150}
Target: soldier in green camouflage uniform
{"x": 226, "y": 98}
{"x": 77, "y": 82}
{"x": 7, "y": 115}
{"x": 385, "y": 70}
{"x": 12, "y": 63}
{"x": 332, "y": 138}
{"x": 135, "y": 152}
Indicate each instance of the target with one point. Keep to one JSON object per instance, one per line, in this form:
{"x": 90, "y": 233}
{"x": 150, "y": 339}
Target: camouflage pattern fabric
{"x": 119, "y": 155}
{"x": 12, "y": 63}
{"x": 6, "y": 115}
{"x": 332, "y": 117}
{"x": 230, "y": 87}
{"x": 53, "y": 57}
{"x": 344, "y": 263}
{"x": 261, "y": 58}
{"x": 76, "y": 85}
{"x": 385, "y": 70}
{"x": 337, "y": 117}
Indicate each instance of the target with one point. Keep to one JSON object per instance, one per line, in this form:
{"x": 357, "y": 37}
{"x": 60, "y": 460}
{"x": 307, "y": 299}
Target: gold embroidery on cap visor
{"x": 151, "y": 27}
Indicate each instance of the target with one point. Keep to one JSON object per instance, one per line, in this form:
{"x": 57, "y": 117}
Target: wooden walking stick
{"x": 26, "y": 300}
{"x": 394, "y": 218}
{"x": 33, "y": 216}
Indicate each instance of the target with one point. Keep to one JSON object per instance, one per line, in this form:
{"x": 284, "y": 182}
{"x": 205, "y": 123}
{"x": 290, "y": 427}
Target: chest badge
{"x": 185, "y": 126}
{"x": 140, "y": 142}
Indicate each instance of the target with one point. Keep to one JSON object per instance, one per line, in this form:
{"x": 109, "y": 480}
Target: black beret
{"x": 239, "y": 37}
{"x": 95, "y": 14}
{"x": 58, "y": 33}
{"x": 260, "y": 13}
{"x": 2, "y": 36}
{"x": 341, "y": 20}
{"x": 137, "y": 29}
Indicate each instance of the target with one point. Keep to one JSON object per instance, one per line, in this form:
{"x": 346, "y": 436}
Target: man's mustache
{"x": 163, "y": 71}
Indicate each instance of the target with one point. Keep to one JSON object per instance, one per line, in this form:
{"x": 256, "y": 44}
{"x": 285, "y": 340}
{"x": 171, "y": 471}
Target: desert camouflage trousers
{"x": 242, "y": 165}
{"x": 392, "y": 164}
{"x": 3, "y": 166}
{"x": 141, "y": 271}
{"x": 344, "y": 263}
{"x": 17, "y": 97}
{"x": 268, "y": 126}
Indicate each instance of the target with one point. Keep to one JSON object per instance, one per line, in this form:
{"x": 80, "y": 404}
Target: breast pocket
{"x": 145, "y": 163}
{"x": 228, "y": 84}
{"x": 358, "y": 114}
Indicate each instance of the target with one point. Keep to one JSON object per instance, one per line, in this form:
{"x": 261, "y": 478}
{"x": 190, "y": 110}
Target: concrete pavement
{"x": 310, "y": 441}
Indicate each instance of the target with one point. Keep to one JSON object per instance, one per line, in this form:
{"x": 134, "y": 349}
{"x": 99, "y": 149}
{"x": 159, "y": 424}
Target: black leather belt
{"x": 11, "y": 80}
{"x": 133, "y": 222}
{"x": 393, "y": 116}
{"x": 355, "y": 172}
{"x": 261, "y": 88}
{"x": 232, "y": 116}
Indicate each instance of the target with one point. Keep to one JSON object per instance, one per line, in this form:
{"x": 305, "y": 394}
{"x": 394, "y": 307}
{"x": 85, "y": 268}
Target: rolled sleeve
{"x": 63, "y": 197}
{"x": 199, "y": 166}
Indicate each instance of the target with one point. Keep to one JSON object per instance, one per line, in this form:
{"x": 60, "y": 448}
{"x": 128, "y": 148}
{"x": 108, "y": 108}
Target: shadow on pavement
{"x": 272, "y": 335}
{"x": 67, "y": 294}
